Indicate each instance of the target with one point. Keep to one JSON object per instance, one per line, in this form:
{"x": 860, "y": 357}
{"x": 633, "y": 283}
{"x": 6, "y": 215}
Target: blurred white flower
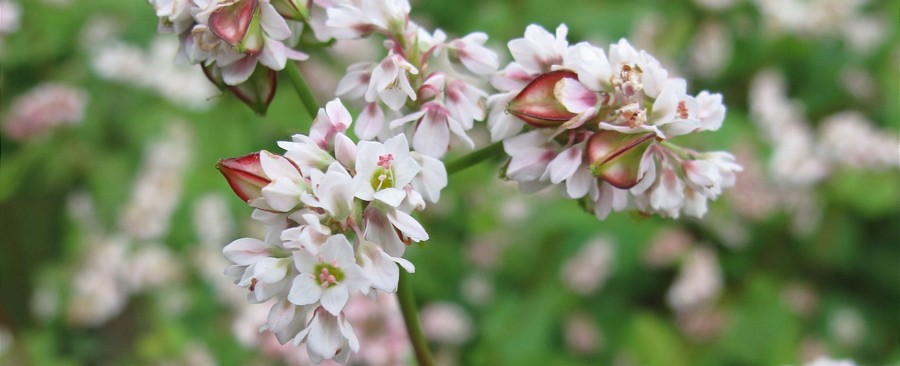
{"x": 581, "y": 334}
{"x": 825, "y": 361}
{"x": 698, "y": 283}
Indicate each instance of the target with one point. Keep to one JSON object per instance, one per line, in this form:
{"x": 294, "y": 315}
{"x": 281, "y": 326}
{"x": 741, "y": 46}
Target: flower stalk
{"x": 306, "y": 96}
{"x": 411, "y": 319}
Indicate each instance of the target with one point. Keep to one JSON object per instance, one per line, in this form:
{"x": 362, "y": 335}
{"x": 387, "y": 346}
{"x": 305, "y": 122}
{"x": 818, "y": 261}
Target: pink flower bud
{"x": 291, "y": 9}
{"x": 238, "y": 25}
{"x": 245, "y": 175}
{"x": 616, "y": 157}
{"x": 537, "y": 104}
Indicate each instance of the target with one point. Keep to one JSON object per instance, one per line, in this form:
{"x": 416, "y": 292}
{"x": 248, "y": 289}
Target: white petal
{"x": 246, "y": 251}
{"x": 390, "y": 196}
{"x": 564, "y": 165}
{"x": 334, "y": 298}
{"x": 407, "y": 225}
{"x": 304, "y": 290}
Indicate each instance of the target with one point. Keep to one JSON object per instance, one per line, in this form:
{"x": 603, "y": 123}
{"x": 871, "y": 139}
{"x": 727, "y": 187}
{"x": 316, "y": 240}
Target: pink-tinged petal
{"x": 244, "y": 175}
{"x": 668, "y": 196}
{"x": 284, "y": 320}
{"x": 246, "y": 251}
{"x": 564, "y": 165}
{"x": 231, "y": 23}
{"x": 390, "y": 196}
{"x": 277, "y": 166}
{"x": 304, "y": 290}
{"x": 647, "y": 173}
{"x": 407, "y": 225}
{"x": 338, "y": 114}
{"x": 380, "y": 231}
{"x": 293, "y": 54}
{"x": 574, "y": 96}
{"x": 273, "y": 23}
{"x": 529, "y": 164}
{"x": 334, "y": 298}
{"x": 432, "y": 136}
{"x": 537, "y": 105}
{"x": 370, "y": 122}
{"x": 615, "y": 157}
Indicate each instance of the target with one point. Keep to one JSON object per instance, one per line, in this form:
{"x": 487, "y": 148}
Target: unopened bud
{"x": 537, "y": 104}
{"x": 245, "y": 175}
{"x": 616, "y": 157}
{"x": 238, "y": 24}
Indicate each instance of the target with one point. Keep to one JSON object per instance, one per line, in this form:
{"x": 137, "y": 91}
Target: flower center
{"x": 384, "y": 175}
{"x": 628, "y": 81}
{"x": 328, "y": 274}
{"x": 682, "y": 110}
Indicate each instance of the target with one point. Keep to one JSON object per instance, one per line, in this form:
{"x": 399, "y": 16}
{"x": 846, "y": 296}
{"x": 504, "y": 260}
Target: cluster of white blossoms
{"x": 426, "y": 86}
{"x": 338, "y": 222}
{"x": 601, "y": 127}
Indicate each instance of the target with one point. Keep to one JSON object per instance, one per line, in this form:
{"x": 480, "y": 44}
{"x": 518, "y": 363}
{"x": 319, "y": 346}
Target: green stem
{"x": 306, "y": 96}
{"x": 475, "y": 157}
{"x": 411, "y": 319}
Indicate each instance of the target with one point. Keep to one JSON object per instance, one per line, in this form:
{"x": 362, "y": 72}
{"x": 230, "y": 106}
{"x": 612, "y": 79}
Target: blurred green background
{"x": 783, "y": 269}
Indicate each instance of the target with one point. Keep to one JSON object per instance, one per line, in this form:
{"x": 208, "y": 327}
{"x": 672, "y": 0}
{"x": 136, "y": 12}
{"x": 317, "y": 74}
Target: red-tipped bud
{"x": 292, "y": 9}
{"x": 616, "y": 157}
{"x": 245, "y": 175}
{"x": 537, "y": 105}
{"x": 238, "y": 25}
{"x": 257, "y": 92}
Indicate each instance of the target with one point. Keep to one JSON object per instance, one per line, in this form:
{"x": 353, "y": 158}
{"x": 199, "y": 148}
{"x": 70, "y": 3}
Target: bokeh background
{"x": 112, "y": 216}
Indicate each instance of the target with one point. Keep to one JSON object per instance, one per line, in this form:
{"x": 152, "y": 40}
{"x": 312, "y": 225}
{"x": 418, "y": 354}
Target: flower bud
{"x": 537, "y": 104}
{"x": 245, "y": 175}
{"x": 257, "y": 92}
{"x": 616, "y": 157}
{"x": 238, "y": 24}
{"x": 292, "y": 9}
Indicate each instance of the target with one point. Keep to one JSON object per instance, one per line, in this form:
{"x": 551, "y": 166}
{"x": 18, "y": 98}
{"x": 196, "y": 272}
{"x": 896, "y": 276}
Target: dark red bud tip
{"x": 616, "y": 157}
{"x": 245, "y": 175}
{"x": 537, "y": 105}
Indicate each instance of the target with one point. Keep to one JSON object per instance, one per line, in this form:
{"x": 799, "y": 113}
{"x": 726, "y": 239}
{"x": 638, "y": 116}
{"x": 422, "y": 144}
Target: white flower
{"x": 327, "y": 278}
{"x": 331, "y": 120}
{"x": 263, "y": 267}
{"x": 380, "y": 268}
{"x": 287, "y": 186}
{"x": 390, "y": 83}
{"x": 382, "y": 170}
{"x": 328, "y": 337}
{"x": 474, "y": 56}
{"x": 539, "y": 49}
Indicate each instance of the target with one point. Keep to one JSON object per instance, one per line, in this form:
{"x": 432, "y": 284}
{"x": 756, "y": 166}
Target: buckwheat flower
{"x": 174, "y": 15}
{"x": 263, "y": 267}
{"x": 44, "y": 109}
{"x": 349, "y": 20}
{"x": 474, "y": 56}
{"x": 331, "y": 120}
{"x": 287, "y": 184}
{"x": 355, "y": 81}
{"x": 826, "y": 361}
{"x": 431, "y": 179}
{"x": 382, "y": 334}
{"x": 328, "y": 337}
{"x": 539, "y": 49}
{"x": 381, "y": 268}
{"x": 329, "y": 277}
{"x": 390, "y": 82}
{"x": 382, "y": 170}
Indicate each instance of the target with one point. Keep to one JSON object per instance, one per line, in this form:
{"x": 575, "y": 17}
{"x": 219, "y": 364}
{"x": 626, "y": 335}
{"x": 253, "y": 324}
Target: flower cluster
{"x": 426, "y": 86}
{"x": 603, "y": 126}
{"x": 338, "y": 222}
